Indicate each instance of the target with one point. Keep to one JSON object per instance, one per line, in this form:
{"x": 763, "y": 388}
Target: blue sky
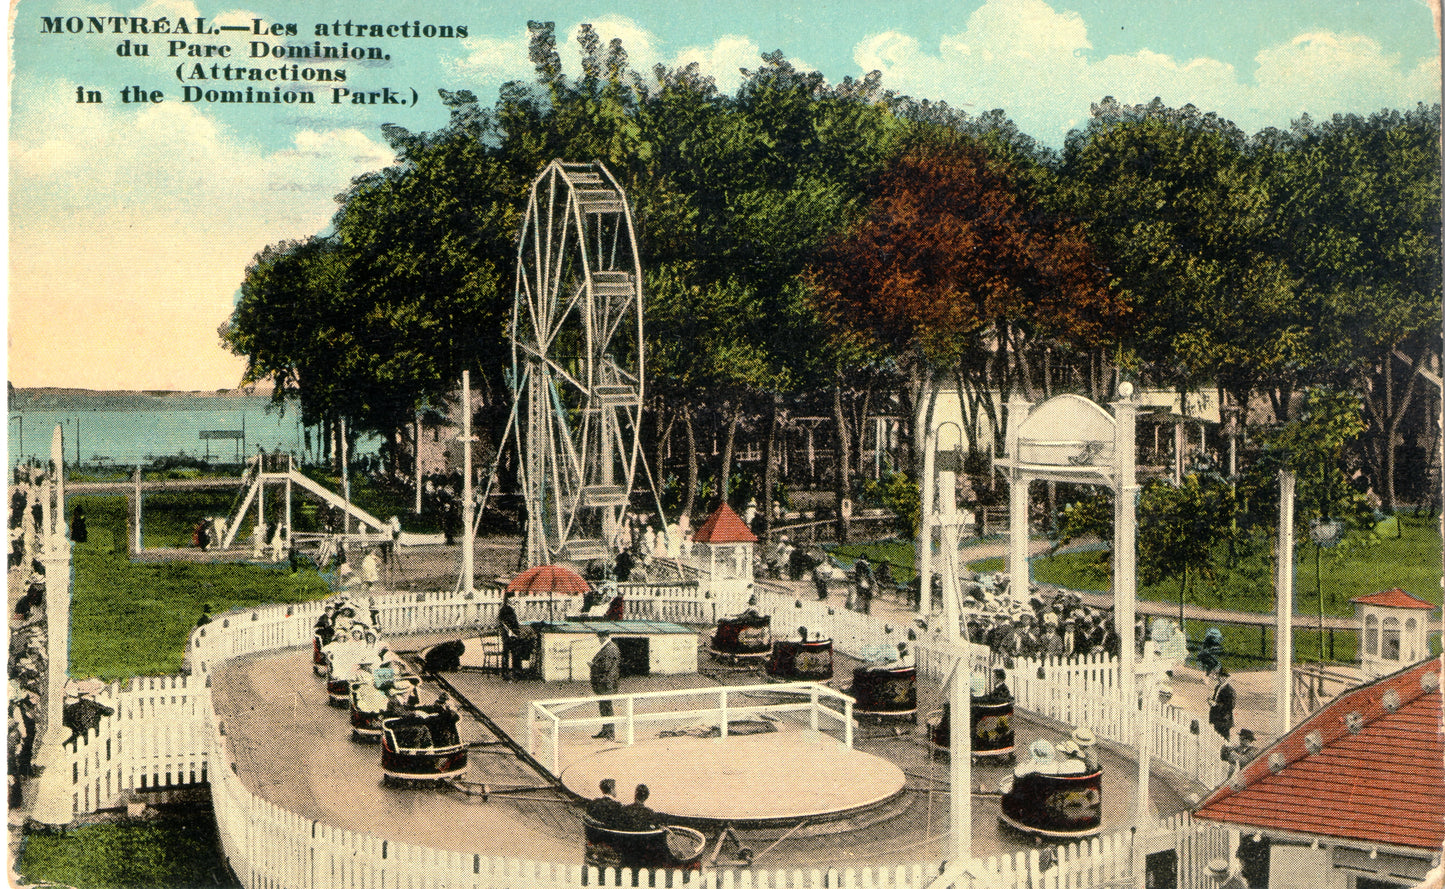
{"x": 131, "y": 218}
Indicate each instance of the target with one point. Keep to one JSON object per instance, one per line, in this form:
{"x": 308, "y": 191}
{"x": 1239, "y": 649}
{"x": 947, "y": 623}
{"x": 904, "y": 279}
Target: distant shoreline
{"x": 60, "y": 399}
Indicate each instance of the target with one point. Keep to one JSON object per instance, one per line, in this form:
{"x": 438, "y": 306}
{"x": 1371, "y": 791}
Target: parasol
{"x": 549, "y": 580}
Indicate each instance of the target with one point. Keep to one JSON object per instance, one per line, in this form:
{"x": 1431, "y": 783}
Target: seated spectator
{"x": 1088, "y": 749}
{"x": 1041, "y": 760}
{"x": 606, "y": 809}
{"x": 1240, "y": 754}
{"x": 1000, "y": 693}
{"x": 636, "y": 815}
{"x": 1071, "y": 759}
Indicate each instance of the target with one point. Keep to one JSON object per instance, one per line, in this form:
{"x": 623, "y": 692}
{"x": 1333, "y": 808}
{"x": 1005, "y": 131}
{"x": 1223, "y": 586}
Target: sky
{"x": 131, "y": 222}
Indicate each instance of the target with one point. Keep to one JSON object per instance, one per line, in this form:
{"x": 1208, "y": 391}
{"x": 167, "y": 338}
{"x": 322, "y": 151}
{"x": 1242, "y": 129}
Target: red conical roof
{"x": 1396, "y": 598}
{"x": 724, "y": 526}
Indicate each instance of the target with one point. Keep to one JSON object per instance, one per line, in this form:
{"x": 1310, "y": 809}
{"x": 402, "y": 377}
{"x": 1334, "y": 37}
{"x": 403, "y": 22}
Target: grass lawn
{"x": 177, "y": 851}
{"x": 1407, "y": 555}
{"x": 132, "y": 619}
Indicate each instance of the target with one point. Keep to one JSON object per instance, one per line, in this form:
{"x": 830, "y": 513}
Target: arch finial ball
{"x": 1126, "y": 390}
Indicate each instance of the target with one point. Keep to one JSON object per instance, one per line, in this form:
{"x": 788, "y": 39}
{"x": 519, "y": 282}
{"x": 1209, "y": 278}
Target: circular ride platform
{"x": 756, "y": 779}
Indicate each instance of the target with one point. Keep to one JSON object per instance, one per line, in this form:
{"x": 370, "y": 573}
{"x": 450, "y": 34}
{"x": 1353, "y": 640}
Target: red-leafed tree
{"x": 959, "y": 268}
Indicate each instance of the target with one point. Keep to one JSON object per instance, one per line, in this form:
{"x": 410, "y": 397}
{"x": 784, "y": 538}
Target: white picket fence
{"x": 156, "y": 738}
{"x": 164, "y": 733}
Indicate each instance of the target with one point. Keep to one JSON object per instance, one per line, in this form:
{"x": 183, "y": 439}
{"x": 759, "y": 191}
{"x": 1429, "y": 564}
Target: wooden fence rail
{"x": 164, "y": 733}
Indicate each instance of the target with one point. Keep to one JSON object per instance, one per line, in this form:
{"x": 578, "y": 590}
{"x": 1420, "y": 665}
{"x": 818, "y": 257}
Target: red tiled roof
{"x": 1382, "y": 781}
{"x": 724, "y": 526}
{"x": 1396, "y": 598}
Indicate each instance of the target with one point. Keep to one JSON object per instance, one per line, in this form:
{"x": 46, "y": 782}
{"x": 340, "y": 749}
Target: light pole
{"x": 1324, "y": 532}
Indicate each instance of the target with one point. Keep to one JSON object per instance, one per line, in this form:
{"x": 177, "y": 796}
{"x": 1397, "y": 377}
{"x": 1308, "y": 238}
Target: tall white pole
{"x": 345, "y": 481}
{"x": 1284, "y": 606}
{"x": 138, "y": 495}
{"x": 52, "y": 798}
{"x": 1018, "y": 505}
{"x": 416, "y": 439}
{"x": 960, "y": 767}
{"x": 926, "y": 520}
{"x": 467, "y": 536}
{"x": 1126, "y": 490}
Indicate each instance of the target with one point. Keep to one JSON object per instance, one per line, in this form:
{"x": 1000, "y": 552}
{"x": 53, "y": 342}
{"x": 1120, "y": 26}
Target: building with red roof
{"x": 725, "y": 556}
{"x": 1351, "y": 798}
{"x": 1394, "y": 630}
{"x": 724, "y": 526}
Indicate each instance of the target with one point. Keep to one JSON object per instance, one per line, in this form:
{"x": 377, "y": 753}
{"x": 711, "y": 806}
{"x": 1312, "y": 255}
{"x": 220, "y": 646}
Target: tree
{"x": 1363, "y": 216}
{"x": 955, "y": 264}
{"x": 1181, "y": 215}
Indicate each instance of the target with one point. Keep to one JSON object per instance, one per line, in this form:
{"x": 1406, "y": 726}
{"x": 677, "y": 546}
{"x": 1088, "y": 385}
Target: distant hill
{"x": 56, "y": 399}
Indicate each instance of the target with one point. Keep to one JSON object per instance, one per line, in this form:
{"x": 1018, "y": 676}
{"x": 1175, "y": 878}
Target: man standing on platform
{"x": 512, "y": 646}
{"x": 606, "y": 671}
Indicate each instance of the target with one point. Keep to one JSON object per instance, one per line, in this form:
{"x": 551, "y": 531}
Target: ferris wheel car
{"x": 422, "y": 746}
{"x": 1052, "y": 805}
{"x": 671, "y": 846}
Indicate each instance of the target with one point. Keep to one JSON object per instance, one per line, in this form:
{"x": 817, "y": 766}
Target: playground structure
{"x": 279, "y": 471}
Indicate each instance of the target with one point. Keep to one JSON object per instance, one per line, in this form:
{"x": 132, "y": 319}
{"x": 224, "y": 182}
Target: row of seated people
{"x": 608, "y": 811}
{"x": 342, "y": 613}
{"x": 1077, "y": 755}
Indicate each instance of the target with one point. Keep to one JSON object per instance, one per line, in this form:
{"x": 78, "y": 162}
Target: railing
{"x": 546, "y": 719}
{"x": 1314, "y": 685}
{"x": 164, "y": 733}
{"x": 155, "y": 738}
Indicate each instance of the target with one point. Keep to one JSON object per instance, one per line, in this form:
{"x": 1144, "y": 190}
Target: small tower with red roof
{"x": 724, "y": 547}
{"x": 1394, "y": 627}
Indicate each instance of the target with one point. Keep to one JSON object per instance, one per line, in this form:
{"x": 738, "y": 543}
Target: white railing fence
{"x": 546, "y": 719}
{"x": 164, "y": 733}
{"x": 154, "y": 739}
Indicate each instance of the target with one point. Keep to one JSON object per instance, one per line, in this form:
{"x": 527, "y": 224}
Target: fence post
{"x": 813, "y": 713}
{"x": 631, "y": 729}
{"x": 723, "y": 710}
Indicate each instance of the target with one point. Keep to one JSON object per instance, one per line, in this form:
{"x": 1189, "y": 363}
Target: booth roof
{"x": 1396, "y": 598}
{"x": 724, "y": 526}
{"x": 1369, "y": 767}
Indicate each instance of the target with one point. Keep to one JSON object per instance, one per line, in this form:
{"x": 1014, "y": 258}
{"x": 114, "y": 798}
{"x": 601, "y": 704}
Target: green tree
{"x": 1362, "y": 211}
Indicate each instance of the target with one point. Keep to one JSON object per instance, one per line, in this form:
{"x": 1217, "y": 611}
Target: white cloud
{"x": 722, "y": 60}
{"x": 493, "y": 60}
{"x": 1034, "y": 62}
{"x": 130, "y": 231}
{"x": 496, "y": 60}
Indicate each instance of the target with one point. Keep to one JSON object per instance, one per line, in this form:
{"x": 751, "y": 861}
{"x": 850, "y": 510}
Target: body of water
{"x": 123, "y": 429}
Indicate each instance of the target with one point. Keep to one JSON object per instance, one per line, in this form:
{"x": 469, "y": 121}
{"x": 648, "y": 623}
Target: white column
{"x": 1018, "y": 506}
{"x": 467, "y": 542}
{"x": 960, "y": 766}
{"x": 1126, "y": 489}
{"x": 926, "y": 491}
{"x": 1284, "y": 606}
{"x": 52, "y": 798}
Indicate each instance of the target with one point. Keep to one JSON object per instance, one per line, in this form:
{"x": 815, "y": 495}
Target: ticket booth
{"x": 1394, "y": 631}
{"x": 724, "y": 548}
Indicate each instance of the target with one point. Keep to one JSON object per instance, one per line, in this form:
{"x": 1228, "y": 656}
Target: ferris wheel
{"x": 576, "y": 339}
